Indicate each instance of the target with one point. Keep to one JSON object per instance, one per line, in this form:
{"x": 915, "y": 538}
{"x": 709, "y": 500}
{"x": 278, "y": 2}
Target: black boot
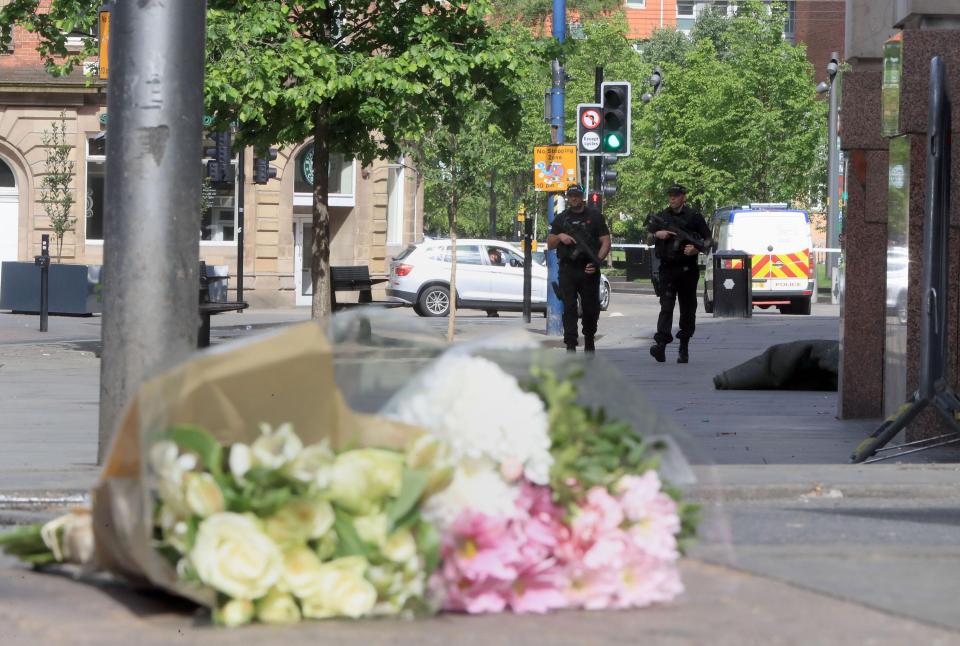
{"x": 588, "y": 344}
{"x": 659, "y": 352}
{"x": 572, "y": 348}
{"x": 683, "y": 356}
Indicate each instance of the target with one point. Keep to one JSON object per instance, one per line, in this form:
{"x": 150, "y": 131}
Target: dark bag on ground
{"x": 799, "y": 365}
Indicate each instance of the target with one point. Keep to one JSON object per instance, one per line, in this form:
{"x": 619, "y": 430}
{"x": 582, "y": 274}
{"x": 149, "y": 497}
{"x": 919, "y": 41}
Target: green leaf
{"x": 413, "y": 485}
{"x": 197, "y": 440}
{"x": 428, "y": 544}
{"x": 349, "y": 542}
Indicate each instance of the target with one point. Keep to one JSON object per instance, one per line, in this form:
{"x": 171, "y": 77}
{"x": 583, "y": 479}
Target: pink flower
{"x": 539, "y": 588}
{"x": 647, "y": 580}
{"x": 653, "y": 513}
{"x": 596, "y": 538}
{"x": 480, "y": 547}
{"x": 593, "y": 589}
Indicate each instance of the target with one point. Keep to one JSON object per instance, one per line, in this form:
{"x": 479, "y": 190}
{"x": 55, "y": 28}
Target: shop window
{"x": 7, "y": 180}
{"x": 94, "y": 193}
{"x": 340, "y": 173}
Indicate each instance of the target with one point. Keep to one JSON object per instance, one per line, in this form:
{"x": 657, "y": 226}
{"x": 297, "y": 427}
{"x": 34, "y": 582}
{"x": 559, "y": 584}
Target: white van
{"x": 778, "y": 240}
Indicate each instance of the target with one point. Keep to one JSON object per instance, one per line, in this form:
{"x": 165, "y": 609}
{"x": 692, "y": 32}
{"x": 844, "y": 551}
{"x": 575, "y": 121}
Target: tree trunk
{"x": 320, "y": 247}
{"x": 452, "y": 218}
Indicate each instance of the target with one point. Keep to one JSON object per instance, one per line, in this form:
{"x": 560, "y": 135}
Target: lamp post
{"x": 833, "y": 166}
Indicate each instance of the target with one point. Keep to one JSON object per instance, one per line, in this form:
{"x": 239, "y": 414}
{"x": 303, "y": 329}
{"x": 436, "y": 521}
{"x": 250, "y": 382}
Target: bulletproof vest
{"x": 579, "y": 230}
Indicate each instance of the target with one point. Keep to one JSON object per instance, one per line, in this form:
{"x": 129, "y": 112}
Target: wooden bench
{"x": 208, "y": 308}
{"x": 355, "y": 278}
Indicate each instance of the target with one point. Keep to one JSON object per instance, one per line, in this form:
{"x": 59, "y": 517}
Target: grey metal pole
{"x": 557, "y": 97}
{"x": 153, "y": 180}
{"x": 833, "y": 173}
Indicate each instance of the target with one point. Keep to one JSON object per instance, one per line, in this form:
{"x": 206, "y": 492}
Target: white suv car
{"x": 489, "y": 277}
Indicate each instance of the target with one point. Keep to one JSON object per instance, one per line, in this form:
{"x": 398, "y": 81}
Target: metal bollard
{"x": 43, "y": 261}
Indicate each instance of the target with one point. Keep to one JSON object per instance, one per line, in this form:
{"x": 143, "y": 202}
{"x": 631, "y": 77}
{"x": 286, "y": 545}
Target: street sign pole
{"x": 152, "y": 228}
{"x": 598, "y": 97}
{"x": 554, "y": 305}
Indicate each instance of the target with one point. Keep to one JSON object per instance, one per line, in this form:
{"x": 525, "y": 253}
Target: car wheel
{"x": 416, "y": 308}
{"x": 435, "y": 301}
{"x": 707, "y": 303}
{"x": 604, "y": 295}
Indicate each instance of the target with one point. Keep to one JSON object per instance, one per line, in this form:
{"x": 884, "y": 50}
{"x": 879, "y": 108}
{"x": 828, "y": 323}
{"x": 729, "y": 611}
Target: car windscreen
{"x": 756, "y": 232}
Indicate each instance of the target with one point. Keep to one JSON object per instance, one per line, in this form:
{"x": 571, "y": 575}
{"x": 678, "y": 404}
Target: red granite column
{"x": 919, "y": 46}
{"x": 862, "y": 319}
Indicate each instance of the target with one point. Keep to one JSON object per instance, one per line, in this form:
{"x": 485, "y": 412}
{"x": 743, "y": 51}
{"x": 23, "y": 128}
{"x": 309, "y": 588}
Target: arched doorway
{"x": 9, "y": 214}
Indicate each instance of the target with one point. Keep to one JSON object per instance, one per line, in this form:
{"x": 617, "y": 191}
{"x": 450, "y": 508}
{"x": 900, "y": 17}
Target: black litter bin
{"x": 732, "y": 288}
{"x": 638, "y": 262}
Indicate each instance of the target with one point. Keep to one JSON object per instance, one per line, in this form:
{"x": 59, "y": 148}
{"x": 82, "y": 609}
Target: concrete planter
{"x": 74, "y": 289}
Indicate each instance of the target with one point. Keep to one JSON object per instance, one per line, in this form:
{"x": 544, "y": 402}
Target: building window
{"x": 7, "y": 180}
{"x": 395, "y": 205}
{"x": 94, "y": 194}
{"x": 685, "y": 9}
{"x": 218, "y": 221}
{"x": 636, "y": 4}
{"x": 6, "y": 46}
{"x": 340, "y": 173}
{"x": 789, "y": 29}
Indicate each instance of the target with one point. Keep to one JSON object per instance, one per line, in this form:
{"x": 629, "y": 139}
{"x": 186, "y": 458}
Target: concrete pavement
{"x": 796, "y": 546}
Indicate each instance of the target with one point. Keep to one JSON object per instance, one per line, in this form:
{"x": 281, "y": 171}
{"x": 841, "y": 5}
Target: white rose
{"x": 343, "y": 592}
{"x": 400, "y": 547}
{"x": 235, "y": 612}
{"x": 274, "y": 448}
{"x": 175, "y": 530}
{"x": 362, "y": 478}
{"x": 203, "y": 495}
{"x": 313, "y": 465}
{"x": 302, "y": 573}
{"x": 300, "y": 520}
{"x": 372, "y": 529}
{"x": 234, "y": 556}
{"x": 278, "y": 608}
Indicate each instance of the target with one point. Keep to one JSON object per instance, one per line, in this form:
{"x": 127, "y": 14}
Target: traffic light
{"x": 608, "y": 175}
{"x": 655, "y": 80}
{"x": 615, "y": 118}
{"x": 220, "y": 165}
{"x": 596, "y": 201}
{"x": 262, "y": 170}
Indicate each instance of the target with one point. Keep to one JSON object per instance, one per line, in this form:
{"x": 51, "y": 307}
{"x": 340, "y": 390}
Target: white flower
{"x": 278, "y": 608}
{"x": 301, "y": 572}
{"x": 175, "y": 529}
{"x": 362, "y": 478}
{"x": 372, "y": 529}
{"x": 480, "y": 411}
{"x": 274, "y": 448}
{"x": 343, "y": 591}
{"x": 235, "y": 612}
{"x": 240, "y": 460}
{"x": 400, "y": 546}
{"x": 476, "y": 485}
{"x": 234, "y": 556}
{"x": 313, "y": 464}
{"x": 299, "y": 521}
{"x": 170, "y": 468}
{"x": 202, "y": 494}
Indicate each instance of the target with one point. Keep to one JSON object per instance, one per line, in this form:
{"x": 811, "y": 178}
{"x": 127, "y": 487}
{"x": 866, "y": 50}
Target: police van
{"x": 778, "y": 240}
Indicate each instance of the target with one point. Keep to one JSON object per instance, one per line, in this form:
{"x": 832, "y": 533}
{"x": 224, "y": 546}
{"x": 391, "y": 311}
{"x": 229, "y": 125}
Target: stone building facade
{"x": 376, "y": 211}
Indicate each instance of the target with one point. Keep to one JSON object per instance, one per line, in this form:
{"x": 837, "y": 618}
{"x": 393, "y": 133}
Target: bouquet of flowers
{"x": 470, "y": 490}
{"x": 552, "y": 505}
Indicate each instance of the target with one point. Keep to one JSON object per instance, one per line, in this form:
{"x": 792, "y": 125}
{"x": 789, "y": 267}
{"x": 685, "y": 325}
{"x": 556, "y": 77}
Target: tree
{"x": 55, "y": 192}
{"x": 358, "y": 80}
{"x": 738, "y": 121}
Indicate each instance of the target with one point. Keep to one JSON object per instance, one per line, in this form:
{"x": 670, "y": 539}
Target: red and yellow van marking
{"x": 782, "y": 265}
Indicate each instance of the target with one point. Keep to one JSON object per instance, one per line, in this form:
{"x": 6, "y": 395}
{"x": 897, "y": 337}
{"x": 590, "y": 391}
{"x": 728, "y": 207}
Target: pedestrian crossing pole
{"x": 554, "y": 305}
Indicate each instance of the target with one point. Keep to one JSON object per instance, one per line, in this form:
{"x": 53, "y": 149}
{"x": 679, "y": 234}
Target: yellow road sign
{"x": 104, "y": 44}
{"x": 554, "y": 167}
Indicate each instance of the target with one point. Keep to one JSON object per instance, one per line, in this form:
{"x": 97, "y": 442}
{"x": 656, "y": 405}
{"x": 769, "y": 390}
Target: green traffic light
{"x": 613, "y": 142}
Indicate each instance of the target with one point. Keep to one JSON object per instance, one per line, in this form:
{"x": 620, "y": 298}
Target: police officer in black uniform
{"x": 579, "y": 276}
{"x": 679, "y": 274}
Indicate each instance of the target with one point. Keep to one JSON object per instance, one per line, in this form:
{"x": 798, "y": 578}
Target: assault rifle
{"x": 681, "y": 238}
{"x": 581, "y": 247}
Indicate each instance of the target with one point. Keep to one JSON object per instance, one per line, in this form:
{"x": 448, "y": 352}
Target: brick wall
{"x": 820, "y": 25}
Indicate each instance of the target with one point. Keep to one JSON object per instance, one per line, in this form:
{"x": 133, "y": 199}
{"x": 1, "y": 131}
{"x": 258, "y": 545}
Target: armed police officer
{"x": 582, "y": 240}
{"x": 680, "y": 233}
